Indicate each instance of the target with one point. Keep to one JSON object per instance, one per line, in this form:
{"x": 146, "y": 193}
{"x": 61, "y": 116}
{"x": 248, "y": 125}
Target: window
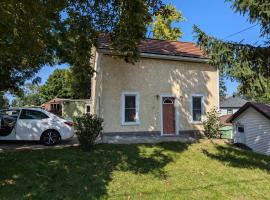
{"x": 196, "y": 108}
{"x": 230, "y": 111}
{"x": 130, "y": 108}
{"x": 240, "y": 129}
{"x": 87, "y": 109}
{"x": 32, "y": 114}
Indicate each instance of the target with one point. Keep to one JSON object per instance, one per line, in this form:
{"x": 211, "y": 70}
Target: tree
{"x": 222, "y": 88}
{"x": 29, "y": 97}
{"x": 38, "y": 33}
{"x": 212, "y": 124}
{"x": 248, "y": 64}
{"x": 162, "y": 26}
{"x": 3, "y": 101}
{"x": 57, "y": 85}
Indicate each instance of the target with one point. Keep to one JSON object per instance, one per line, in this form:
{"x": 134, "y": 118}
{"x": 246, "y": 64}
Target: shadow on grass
{"x": 237, "y": 157}
{"x": 73, "y": 174}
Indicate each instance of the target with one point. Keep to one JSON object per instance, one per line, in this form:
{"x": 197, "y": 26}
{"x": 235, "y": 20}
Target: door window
{"x": 32, "y": 114}
{"x": 8, "y": 120}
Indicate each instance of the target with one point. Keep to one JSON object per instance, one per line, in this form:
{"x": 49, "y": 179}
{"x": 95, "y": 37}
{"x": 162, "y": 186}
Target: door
{"x": 31, "y": 124}
{"x": 8, "y": 120}
{"x": 168, "y": 115}
{"x": 240, "y": 134}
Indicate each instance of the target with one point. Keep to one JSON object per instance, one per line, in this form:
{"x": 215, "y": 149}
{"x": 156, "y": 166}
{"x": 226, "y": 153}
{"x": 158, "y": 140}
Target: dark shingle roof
{"x": 232, "y": 102}
{"x": 161, "y": 47}
{"x": 264, "y": 109}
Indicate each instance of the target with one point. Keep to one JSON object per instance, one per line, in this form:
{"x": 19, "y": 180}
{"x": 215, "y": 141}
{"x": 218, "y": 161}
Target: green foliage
{"x": 3, "y": 101}
{"x": 162, "y": 26}
{"x": 212, "y": 124}
{"x": 29, "y": 97}
{"x": 257, "y": 11}
{"x": 88, "y": 128}
{"x": 64, "y": 31}
{"x": 57, "y": 85}
{"x": 222, "y": 87}
{"x": 247, "y": 64}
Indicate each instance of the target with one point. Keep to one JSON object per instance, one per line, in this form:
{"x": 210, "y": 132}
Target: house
{"x": 166, "y": 93}
{"x": 251, "y": 126}
{"x": 231, "y": 105}
{"x": 68, "y": 108}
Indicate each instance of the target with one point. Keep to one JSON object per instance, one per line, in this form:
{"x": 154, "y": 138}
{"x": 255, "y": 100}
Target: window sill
{"x": 197, "y": 123}
{"x": 130, "y": 123}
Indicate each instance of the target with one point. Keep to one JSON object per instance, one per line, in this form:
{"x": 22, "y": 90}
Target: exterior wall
{"x": 256, "y": 130}
{"x": 152, "y": 78}
{"x": 224, "y": 111}
{"x": 73, "y": 108}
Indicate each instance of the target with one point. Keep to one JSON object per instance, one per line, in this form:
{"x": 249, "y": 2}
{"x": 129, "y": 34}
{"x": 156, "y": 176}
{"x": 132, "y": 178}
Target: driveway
{"x": 34, "y": 145}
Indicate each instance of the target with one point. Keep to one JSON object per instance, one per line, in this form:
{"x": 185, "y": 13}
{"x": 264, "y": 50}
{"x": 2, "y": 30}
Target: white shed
{"x": 251, "y": 126}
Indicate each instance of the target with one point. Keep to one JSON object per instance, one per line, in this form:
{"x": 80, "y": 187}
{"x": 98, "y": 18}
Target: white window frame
{"x": 137, "y": 101}
{"x": 85, "y": 108}
{"x": 191, "y": 108}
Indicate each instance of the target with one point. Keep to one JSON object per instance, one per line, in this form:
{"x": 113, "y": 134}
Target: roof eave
{"x": 160, "y": 56}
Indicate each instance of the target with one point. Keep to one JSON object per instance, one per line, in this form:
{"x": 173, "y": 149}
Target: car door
{"x": 8, "y": 120}
{"x": 31, "y": 124}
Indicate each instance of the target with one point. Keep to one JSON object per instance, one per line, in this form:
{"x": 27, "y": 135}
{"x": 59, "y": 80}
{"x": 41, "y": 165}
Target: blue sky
{"x": 215, "y": 17}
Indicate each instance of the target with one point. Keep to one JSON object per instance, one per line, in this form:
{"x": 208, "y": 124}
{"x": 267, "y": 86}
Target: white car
{"x": 34, "y": 124}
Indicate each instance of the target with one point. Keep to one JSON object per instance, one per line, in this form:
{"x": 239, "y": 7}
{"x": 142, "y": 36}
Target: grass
{"x": 205, "y": 170}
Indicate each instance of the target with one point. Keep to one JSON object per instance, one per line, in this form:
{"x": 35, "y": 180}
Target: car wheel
{"x": 50, "y": 137}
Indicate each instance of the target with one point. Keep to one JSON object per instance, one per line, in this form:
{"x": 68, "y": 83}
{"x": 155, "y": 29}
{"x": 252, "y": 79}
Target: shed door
{"x": 240, "y": 134}
{"x": 168, "y": 112}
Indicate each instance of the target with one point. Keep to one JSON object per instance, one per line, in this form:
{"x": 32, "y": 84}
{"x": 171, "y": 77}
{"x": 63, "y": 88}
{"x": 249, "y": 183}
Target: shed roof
{"x": 232, "y": 102}
{"x": 264, "y": 109}
{"x": 161, "y": 47}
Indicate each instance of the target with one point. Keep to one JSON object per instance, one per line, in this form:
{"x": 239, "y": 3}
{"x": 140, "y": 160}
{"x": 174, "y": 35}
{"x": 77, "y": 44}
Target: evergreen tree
{"x": 248, "y": 64}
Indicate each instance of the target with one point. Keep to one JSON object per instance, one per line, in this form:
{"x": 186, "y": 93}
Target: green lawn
{"x": 203, "y": 170}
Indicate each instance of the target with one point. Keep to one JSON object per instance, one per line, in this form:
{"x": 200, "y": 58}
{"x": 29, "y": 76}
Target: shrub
{"x": 212, "y": 124}
{"x": 88, "y": 128}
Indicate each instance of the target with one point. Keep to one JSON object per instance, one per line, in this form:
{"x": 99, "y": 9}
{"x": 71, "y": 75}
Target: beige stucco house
{"x": 167, "y": 92}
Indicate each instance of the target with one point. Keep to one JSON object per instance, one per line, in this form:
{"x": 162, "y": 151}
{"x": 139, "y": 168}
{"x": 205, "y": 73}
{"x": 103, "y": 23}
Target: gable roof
{"x": 224, "y": 120}
{"x": 232, "y": 102}
{"x": 264, "y": 109}
{"x": 161, "y": 47}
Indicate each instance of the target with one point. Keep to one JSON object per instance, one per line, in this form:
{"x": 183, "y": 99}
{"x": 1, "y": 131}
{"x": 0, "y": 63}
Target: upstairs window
{"x": 130, "y": 108}
{"x": 197, "y": 108}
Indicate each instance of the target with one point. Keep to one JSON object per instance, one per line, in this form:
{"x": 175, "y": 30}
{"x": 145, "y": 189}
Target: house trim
{"x": 160, "y": 56}
{"x": 137, "y": 99}
{"x": 176, "y": 113}
{"x": 202, "y": 106}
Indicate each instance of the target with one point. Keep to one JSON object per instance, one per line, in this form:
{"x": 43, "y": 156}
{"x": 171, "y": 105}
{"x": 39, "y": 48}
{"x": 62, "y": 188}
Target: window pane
{"x": 197, "y": 109}
{"x": 130, "y": 101}
{"x": 197, "y": 115}
{"x": 88, "y": 109}
{"x": 32, "y": 114}
{"x": 197, "y": 103}
{"x": 130, "y": 115}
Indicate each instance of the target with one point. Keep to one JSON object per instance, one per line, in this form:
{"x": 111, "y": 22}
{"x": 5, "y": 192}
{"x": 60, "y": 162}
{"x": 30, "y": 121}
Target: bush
{"x": 212, "y": 124}
{"x": 88, "y": 128}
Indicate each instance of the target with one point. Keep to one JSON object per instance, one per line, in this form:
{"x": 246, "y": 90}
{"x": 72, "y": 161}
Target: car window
{"x": 32, "y": 114}
{"x": 14, "y": 113}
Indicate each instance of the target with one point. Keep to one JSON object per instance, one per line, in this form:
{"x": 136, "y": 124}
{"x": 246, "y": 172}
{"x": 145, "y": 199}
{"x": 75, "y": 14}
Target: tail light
{"x": 69, "y": 123}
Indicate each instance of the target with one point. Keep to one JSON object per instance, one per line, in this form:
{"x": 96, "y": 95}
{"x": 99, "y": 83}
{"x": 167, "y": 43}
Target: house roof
{"x": 224, "y": 120}
{"x": 264, "y": 109}
{"x": 161, "y": 47}
{"x": 232, "y": 102}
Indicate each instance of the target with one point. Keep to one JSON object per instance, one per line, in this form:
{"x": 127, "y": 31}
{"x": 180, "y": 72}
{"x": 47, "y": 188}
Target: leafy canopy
{"x": 38, "y": 33}
{"x": 248, "y": 64}
{"x": 162, "y": 26}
